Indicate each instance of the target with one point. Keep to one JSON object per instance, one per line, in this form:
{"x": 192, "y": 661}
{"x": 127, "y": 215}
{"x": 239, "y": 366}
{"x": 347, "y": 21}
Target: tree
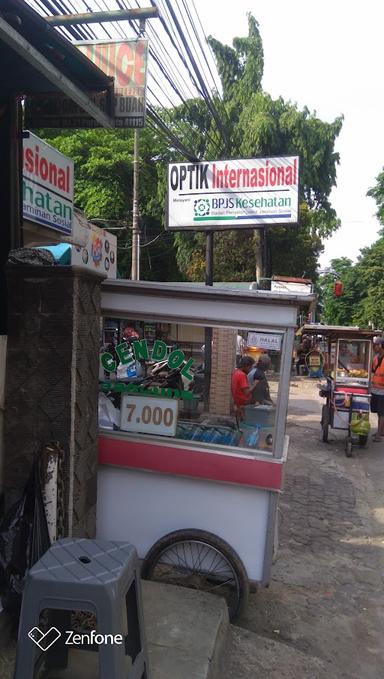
{"x": 257, "y": 125}
{"x": 340, "y": 310}
{"x": 369, "y": 272}
{"x": 103, "y": 190}
{"x": 377, "y": 192}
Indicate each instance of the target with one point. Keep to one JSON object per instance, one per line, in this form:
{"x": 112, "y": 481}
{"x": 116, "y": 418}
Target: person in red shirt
{"x": 241, "y": 391}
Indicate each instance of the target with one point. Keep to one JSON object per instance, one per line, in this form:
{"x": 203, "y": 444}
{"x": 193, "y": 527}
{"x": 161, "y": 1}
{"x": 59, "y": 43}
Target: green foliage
{"x": 257, "y": 125}
{"x": 250, "y": 124}
{"x": 362, "y": 301}
{"x": 377, "y": 192}
{"x": 339, "y": 310}
{"x": 103, "y": 190}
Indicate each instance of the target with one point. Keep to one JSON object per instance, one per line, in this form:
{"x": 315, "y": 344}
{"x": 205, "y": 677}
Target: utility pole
{"x": 208, "y": 331}
{"x": 140, "y": 14}
{"x": 135, "y": 270}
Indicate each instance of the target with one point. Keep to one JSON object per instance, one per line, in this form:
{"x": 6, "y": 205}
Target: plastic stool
{"x": 96, "y": 576}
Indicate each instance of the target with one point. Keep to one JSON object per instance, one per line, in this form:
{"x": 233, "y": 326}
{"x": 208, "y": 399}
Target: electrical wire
{"x": 177, "y": 55}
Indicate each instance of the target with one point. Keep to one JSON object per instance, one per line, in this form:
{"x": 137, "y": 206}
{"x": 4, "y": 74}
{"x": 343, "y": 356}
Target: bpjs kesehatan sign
{"x": 47, "y": 185}
{"x": 126, "y": 62}
{"x": 227, "y": 194}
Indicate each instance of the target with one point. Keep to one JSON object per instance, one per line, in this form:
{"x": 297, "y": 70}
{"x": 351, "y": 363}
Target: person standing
{"x": 241, "y": 391}
{"x": 377, "y": 387}
{"x": 240, "y": 347}
{"x": 261, "y": 393}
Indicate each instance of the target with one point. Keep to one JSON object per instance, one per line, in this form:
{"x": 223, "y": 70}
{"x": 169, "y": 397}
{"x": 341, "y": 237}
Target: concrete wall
{"x": 52, "y": 382}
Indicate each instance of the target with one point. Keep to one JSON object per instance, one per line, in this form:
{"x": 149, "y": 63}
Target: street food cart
{"x": 196, "y": 494}
{"x": 346, "y": 389}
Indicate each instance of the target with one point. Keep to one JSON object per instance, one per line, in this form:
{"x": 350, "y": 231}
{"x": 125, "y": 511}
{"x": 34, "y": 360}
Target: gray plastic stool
{"x": 85, "y": 575}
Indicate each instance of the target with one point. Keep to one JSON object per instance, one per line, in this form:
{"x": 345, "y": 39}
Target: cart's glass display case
{"x": 190, "y": 383}
{"x": 353, "y": 360}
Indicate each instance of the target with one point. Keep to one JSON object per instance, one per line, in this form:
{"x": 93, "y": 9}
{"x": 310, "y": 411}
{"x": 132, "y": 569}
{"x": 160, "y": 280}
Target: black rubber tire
{"x": 363, "y": 440}
{"x": 348, "y": 446}
{"x": 196, "y": 536}
{"x": 324, "y": 423}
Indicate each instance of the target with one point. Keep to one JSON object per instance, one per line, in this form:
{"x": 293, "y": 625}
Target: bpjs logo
{"x": 45, "y": 640}
{"x": 201, "y": 207}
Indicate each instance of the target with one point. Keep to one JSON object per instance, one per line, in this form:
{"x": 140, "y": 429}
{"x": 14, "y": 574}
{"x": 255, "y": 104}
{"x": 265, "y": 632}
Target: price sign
{"x": 149, "y": 415}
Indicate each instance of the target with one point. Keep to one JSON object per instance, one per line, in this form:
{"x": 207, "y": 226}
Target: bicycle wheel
{"x": 199, "y": 560}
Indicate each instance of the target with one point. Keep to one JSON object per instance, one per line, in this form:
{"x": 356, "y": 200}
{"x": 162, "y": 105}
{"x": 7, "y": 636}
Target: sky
{"x": 327, "y": 56}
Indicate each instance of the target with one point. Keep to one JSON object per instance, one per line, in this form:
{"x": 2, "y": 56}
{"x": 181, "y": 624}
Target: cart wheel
{"x": 199, "y": 560}
{"x": 325, "y": 423}
{"x": 348, "y": 446}
{"x": 363, "y": 440}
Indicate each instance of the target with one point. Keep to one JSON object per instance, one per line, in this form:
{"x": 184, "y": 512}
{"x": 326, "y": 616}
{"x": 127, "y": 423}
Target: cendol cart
{"x": 195, "y": 494}
{"x": 347, "y": 361}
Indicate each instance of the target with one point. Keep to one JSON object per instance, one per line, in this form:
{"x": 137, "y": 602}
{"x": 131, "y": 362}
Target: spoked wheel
{"x": 199, "y": 560}
{"x": 324, "y": 423}
{"x": 348, "y": 446}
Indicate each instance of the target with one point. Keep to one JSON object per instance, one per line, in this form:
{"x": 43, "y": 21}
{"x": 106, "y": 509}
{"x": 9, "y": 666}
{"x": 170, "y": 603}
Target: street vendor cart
{"x": 196, "y": 494}
{"x": 348, "y": 360}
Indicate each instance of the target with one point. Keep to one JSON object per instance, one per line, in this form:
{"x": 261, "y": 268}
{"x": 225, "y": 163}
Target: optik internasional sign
{"x": 227, "y": 194}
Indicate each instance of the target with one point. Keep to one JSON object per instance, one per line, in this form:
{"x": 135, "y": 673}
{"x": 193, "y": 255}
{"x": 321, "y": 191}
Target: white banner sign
{"x": 227, "y": 194}
{"x": 149, "y": 415}
{"x": 291, "y": 287}
{"x": 264, "y": 341}
{"x": 47, "y": 185}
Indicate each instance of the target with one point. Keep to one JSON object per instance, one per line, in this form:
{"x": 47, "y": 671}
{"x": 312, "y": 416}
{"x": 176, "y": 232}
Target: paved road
{"x": 323, "y": 615}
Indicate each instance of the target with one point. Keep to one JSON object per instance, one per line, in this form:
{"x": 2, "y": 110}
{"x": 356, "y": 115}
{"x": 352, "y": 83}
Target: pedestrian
{"x": 261, "y": 393}
{"x": 240, "y": 348}
{"x": 377, "y": 387}
{"x": 241, "y": 391}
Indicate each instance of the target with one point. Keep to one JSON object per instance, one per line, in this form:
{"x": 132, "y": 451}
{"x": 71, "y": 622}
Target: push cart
{"x": 196, "y": 496}
{"x": 346, "y": 385}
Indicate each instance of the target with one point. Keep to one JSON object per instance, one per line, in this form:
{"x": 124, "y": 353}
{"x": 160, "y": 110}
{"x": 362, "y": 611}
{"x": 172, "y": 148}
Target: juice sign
{"x": 126, "y": 62}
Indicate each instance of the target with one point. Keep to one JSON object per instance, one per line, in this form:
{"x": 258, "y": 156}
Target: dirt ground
{"x": 323, "y": 614}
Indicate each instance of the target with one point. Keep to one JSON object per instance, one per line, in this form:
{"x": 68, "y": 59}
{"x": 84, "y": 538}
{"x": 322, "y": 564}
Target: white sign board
{"x": 149, "y": 415}
{"x": 47, "y": 185}
{"x": 291, "y": 287}
{"x": 228, "y": 194}
{"x": 97, "y": 252}
{"x": 264, "y": 340}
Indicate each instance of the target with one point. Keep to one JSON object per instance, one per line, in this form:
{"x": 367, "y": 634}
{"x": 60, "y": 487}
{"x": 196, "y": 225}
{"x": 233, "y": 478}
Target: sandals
{"x": 376, "y": 438}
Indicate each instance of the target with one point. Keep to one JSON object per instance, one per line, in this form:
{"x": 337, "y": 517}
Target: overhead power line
{"x": 181, "y": 66}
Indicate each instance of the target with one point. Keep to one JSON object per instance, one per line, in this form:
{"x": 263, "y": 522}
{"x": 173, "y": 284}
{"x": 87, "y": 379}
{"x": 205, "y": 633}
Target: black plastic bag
{"x": 24, "y": 538}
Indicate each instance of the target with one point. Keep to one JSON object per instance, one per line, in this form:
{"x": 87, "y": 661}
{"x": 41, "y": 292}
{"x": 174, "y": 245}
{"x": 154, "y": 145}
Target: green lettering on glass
{"x": 176, "y": 358}
{"x": 107, "y": 362}
{"x": 184, "y": 372}
{"x": 165, "y": 392}
{"x": 124, "y": 352}
{"x": 159, "y": 350}
{"x": 140, "y": 348}
{"x": 187, "y": 395}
